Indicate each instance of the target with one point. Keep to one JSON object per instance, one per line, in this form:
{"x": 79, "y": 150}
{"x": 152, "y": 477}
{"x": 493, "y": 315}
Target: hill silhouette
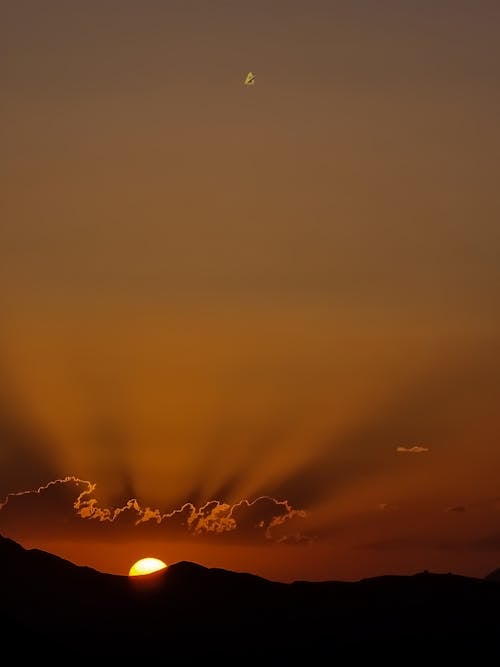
{"x": 493, "y": 576}
{"x": 52, "y": 608}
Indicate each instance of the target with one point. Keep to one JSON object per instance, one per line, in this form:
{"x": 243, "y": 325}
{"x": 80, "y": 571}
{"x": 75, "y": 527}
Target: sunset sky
{"x": 217, "y": 292}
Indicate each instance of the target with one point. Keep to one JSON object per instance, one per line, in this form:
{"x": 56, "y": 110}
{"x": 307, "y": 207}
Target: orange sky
{"x": 217, "y": 292}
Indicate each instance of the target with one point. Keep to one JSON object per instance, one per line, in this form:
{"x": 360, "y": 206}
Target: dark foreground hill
{"x": 493, "y": 576}
{"x": 187, "y": 613}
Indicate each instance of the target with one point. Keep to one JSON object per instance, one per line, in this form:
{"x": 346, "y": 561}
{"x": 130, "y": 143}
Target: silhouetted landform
{"x": 493, "y": 576}
{"x": 50, "y": 608}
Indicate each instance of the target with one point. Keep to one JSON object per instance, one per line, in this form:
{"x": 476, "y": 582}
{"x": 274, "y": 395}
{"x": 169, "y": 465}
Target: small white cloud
{"x": 416, "y": 449}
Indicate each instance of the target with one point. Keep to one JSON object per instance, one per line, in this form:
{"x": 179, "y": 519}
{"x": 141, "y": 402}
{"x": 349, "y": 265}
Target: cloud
{"x": 262, "y": 519}
{"x": 456, "y": 508}
{"x": 416, "y": 449}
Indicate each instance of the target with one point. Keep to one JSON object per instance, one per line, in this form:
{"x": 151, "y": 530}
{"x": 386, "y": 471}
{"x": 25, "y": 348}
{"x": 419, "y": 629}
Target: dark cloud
{"x": 49, "y": 510}
{"x": 456, "y": 508}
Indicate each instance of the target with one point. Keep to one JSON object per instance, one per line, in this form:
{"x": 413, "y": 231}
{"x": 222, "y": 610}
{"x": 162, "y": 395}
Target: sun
{"x": 146, "y": 566}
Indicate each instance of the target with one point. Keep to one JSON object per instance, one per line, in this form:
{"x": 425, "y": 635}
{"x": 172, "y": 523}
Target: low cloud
{"x": 416, "y": 449}
{"x": 456, "y": 508}
{"x": 262, "y": 519}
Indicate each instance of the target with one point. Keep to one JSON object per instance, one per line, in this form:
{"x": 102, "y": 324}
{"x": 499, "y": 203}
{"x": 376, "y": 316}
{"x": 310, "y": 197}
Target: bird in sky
{"x": 250, "y": 79}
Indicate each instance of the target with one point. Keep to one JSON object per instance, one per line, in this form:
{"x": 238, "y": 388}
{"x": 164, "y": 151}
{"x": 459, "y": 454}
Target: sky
{"x": 259, "y": 324}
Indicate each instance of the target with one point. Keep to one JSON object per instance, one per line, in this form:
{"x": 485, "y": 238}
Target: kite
{"x": 250, "y": 79}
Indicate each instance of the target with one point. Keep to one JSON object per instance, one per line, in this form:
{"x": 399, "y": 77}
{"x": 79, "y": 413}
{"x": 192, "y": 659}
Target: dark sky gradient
{"x": 215, "y": 291}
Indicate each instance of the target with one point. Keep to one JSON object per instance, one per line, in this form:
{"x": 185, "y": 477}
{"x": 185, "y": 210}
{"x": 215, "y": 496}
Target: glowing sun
{"x": 146, "y": 566}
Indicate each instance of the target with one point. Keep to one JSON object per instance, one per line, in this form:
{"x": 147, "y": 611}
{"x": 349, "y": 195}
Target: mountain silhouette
{"x": 493, "y": 576}
{"x": 51, "y": 608}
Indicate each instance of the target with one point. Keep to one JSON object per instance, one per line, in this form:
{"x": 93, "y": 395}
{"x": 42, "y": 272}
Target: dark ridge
{"x": 13, "y": 554}
{"x": 189, "y": 613}
{"x": 493, "y": 576}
